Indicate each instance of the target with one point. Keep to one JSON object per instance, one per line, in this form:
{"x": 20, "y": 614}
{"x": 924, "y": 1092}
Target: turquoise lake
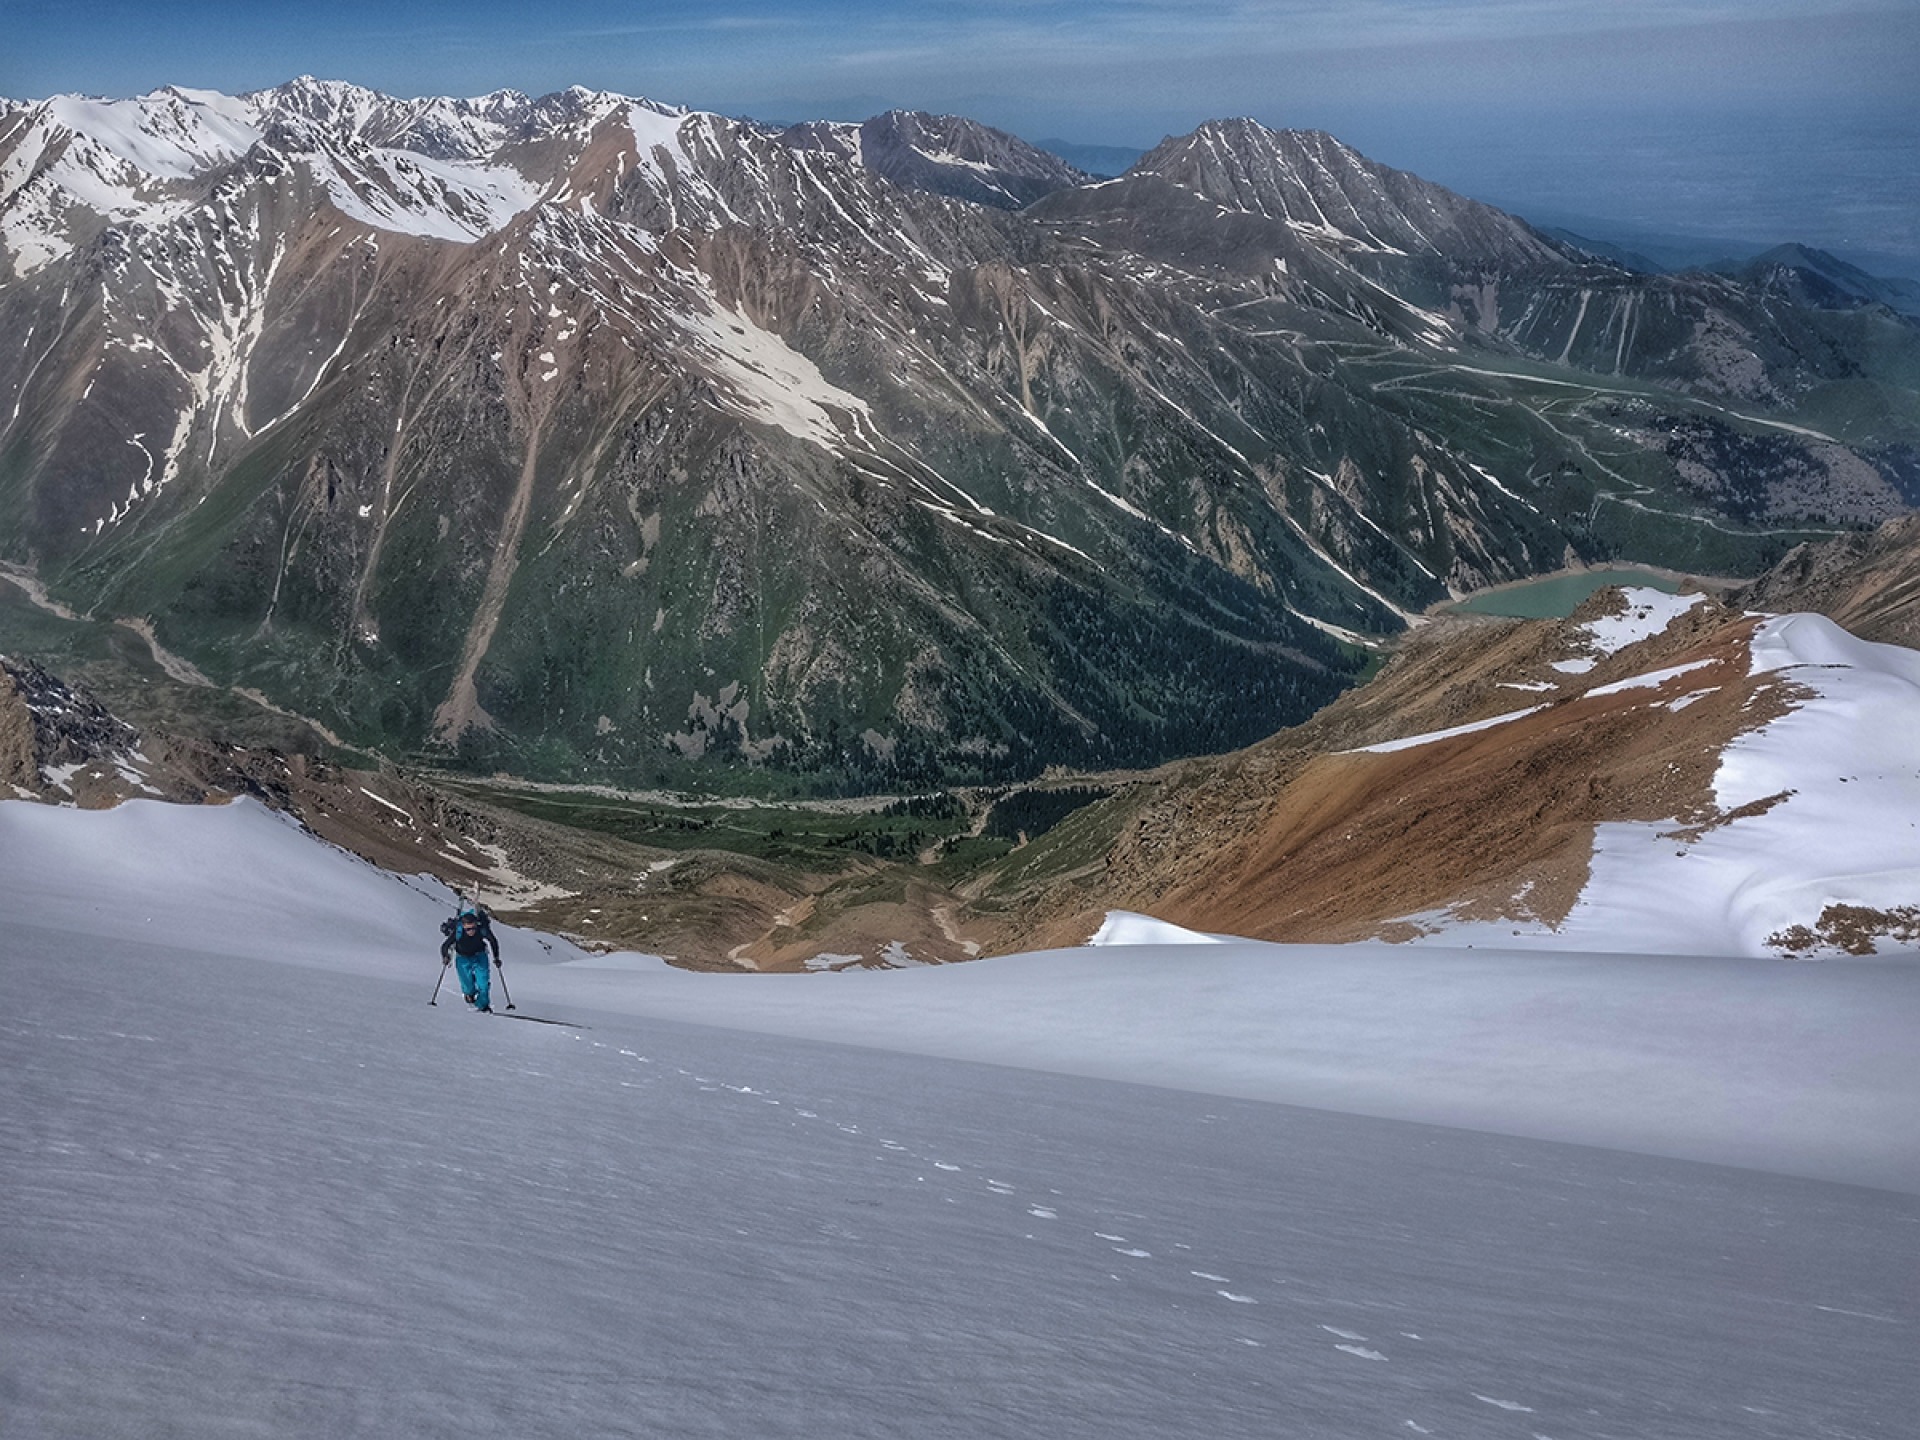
{"x": 1556, "y": 596}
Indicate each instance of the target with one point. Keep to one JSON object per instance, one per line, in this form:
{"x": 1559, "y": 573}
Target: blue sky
{"x": 1693, "y": 116}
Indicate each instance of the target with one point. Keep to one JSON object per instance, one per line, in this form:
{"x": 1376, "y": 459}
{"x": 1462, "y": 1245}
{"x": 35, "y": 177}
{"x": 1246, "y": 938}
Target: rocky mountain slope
{"x": 1869, "y": 583}
{"x": 1662, "y": 773}
{"x": 1488, "y": 783}
{"x": 583, "y": 437}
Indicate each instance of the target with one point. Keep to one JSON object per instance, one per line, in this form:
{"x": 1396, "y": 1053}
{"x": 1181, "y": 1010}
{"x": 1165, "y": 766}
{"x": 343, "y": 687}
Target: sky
{"x": 1754, "y": 120}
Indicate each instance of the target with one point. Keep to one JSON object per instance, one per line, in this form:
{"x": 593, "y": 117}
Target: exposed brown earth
{"x": 1869, "y": 583}
{"x": 1308, "y": 838}
{"x": 1305, "y": 837}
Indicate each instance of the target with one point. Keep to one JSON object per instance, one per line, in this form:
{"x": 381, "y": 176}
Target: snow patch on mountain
{"x": 1123, "y": 927}
{"x": 655, "y": 129}
{"x": 1387, "y": 747}
{"x": 1819, "y": 807}
{"x": 767, "y": 380}
{"x": 441, "y": 199}
{"x": 1648, "y": 612}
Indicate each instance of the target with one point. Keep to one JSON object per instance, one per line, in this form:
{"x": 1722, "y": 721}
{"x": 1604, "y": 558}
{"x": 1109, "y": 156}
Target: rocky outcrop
{"x": 1869, "y": 582}
{"x": 57, "y": 744}
{"x": 1333, "y": 832}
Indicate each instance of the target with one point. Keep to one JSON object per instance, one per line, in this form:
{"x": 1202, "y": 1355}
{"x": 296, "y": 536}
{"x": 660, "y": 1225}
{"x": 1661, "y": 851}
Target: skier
{"x": 466, "y": 950}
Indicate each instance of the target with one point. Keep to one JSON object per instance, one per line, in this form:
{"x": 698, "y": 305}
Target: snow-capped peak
{"x": 167, "y": 135}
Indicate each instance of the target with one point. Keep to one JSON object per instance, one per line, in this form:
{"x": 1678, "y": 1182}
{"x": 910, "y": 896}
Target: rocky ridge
{"x": 1465, "y": 783}
{"x": 582, "y": 436}
{"x": 1869, "y": 583}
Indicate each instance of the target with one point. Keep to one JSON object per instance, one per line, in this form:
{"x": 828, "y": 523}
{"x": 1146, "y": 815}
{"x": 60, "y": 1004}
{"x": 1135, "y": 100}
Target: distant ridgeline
{"x": 578, "y": 436}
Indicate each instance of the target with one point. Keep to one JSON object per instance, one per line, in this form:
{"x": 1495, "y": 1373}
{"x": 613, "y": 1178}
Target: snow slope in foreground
{"x": 1803, "y": 1068}
{"x": 247, "y": 1197}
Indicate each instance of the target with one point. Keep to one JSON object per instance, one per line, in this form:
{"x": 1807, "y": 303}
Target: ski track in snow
{"x": 1283, "y": 1329}
{"x": 1219, "y": 1298}
{"x": 223, "y": 1173}
{"x": 1287, "y": 1329}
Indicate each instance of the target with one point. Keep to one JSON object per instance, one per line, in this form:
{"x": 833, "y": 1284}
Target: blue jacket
{"x": 469, "y": 943}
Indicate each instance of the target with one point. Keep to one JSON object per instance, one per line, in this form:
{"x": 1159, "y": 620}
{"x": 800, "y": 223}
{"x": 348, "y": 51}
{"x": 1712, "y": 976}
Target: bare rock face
{"x": 55, "y": 743}
{"x": 580, "y": 435}
{"x": 1869, "y": 582}
{"x": 19, "y": 757}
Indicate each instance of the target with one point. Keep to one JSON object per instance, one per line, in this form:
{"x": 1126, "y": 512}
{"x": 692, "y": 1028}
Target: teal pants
{"x": 472, "y": 970}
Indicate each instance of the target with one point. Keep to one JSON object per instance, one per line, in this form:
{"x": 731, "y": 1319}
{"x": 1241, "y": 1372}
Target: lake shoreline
{"x": 1573, "y": 581}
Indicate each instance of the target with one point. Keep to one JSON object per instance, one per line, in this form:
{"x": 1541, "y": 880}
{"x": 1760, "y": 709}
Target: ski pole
{"x": 501, "y": 972}
{"x": 438, "y": 983}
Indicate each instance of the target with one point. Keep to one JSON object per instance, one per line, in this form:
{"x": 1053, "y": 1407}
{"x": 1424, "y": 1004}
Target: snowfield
{"x": 254, "y": 1185}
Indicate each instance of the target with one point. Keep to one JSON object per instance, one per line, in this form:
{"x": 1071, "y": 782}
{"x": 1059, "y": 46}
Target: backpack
{"x": 450, "y": 927}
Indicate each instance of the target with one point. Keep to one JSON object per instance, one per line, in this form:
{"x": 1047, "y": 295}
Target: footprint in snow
{"x": 1503, "y": 1404}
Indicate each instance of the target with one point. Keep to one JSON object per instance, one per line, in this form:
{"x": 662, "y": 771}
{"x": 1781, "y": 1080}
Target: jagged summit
{"x": 580, "y": 431}
{"x": 944, "y": 155}
{"x": 1330, "y": 193}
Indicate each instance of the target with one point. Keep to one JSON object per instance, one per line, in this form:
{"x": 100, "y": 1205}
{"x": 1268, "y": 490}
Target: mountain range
{"x": 585, "y": 438}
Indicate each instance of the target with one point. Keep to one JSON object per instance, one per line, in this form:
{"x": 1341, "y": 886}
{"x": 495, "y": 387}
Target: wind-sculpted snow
{"x": 255, "y": 1184}
{"x": 1368, "y": 1028}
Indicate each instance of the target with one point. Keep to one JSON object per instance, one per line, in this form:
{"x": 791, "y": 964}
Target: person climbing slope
{"x": 465, "y": 948}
